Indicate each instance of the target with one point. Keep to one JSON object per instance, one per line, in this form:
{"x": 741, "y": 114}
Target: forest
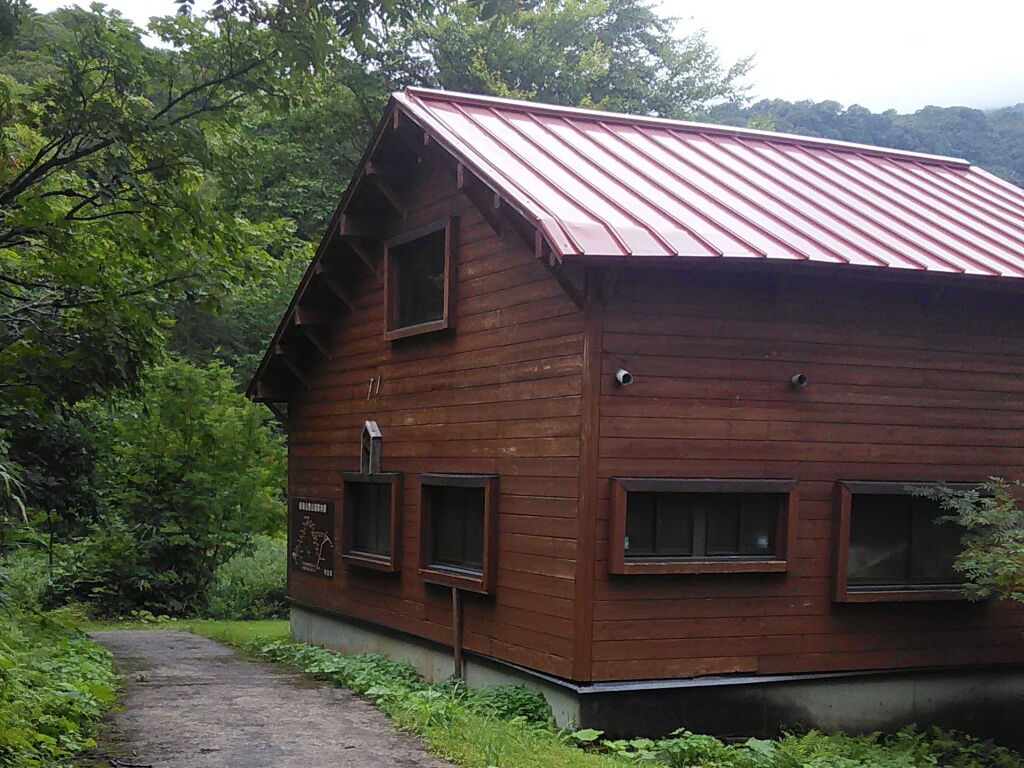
{"x": 161, "y": 195}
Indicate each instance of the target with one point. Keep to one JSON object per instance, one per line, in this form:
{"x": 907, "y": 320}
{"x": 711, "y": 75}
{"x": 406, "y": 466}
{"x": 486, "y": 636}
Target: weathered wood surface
{"x": 904, "y": 385}
{"x": 499, "y": 395}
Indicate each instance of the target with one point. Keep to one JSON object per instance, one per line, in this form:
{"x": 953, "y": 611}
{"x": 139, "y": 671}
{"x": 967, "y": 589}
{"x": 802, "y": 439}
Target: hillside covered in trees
{"x": 992, "y": 139}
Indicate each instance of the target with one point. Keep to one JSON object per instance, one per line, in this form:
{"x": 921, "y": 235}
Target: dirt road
{"x": 193, "y": 702}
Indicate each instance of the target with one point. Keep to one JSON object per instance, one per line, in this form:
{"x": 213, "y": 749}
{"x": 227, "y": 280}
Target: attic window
{"x": 418, "y": 280}
{"x": 701, "y": 526}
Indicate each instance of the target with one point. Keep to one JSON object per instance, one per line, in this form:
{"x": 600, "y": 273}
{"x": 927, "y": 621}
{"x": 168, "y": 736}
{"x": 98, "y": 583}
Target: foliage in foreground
{"x": 992, "y": 560}
{"x": 55, "y": 684}
{"x": 512, "y": 727}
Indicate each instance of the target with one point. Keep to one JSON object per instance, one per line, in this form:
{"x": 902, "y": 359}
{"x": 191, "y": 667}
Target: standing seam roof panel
{"x": 782, "y": 190}
{"x": 857, "y": 228}
{"x": 603, "y": 184}
{"x": 678, "y": 222}
{"x": 856, "y": 204}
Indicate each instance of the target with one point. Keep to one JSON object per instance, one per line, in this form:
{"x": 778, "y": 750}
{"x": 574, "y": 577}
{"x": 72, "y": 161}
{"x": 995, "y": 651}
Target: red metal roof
{"x": 607, "y": 184}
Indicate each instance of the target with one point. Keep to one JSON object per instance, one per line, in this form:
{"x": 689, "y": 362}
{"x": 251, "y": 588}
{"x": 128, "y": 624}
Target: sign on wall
{"x": 312, "y": 539}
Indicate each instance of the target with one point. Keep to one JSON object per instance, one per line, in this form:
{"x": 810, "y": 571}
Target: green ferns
{"x": 55, "y": 684}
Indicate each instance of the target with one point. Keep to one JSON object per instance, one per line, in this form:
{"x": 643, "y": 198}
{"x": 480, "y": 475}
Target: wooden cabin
{"x": 628, "y": 410}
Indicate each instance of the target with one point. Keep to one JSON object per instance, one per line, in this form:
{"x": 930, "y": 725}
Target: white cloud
{"x": 901, "y": 54}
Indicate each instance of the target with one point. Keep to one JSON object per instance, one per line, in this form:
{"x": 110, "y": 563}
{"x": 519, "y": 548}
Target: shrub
{"x": 55, "y": 684}
{"x": 104, "y": 571}
{"x": 251, "y": 585}
{"x": 992, "y": 516}
{"x": 27, "y": 576}
{"x": 188, "y": 471}
{"x": 509, "y": 701}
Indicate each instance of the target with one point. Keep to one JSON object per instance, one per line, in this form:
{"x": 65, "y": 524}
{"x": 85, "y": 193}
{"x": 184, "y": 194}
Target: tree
{"x": 613, "y": 54}
{"x": 12, "y": 12}
{"x": 188, "y": 471}
{"x": 992, "y": 516}
{"x": 115, "y": 162}
{"x": 105, "y": 214}
{"x": 606, "y": 54}
{"x": 237, "y": 334}
{"x": 108, "y": 210}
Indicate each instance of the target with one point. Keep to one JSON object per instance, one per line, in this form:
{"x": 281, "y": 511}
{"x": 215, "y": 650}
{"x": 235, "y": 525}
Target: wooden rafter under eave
{"x": 503, "y": 213}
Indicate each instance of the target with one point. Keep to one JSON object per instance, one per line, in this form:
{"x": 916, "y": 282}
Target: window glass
{"x": 675, "y": 525}
{"x": 668, "y": 524}
{"x": 457, "y": 519}
{"x": 371, "y": 517}
{"x": 419, "y": 280}
{"x": 935, "y": 546}
{"x": 896, "y": 541}
{"x": 723, "y": 526}
{"x": 757, "y": 524}
{"x": 641, "y": 517}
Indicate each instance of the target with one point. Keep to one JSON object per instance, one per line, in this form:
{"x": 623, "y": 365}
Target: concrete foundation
{"x": 434, "y": 661}
{"x": 986, "y": 702}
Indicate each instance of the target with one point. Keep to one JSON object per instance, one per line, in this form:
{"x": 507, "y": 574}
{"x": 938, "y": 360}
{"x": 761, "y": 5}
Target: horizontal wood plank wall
{"x": 500, "y": 394}
{"x": 904, "y": 384}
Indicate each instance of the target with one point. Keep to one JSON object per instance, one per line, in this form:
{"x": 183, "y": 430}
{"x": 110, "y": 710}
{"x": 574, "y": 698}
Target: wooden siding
{"x": 905, "y": 383}
{"x": 499, "y": 394}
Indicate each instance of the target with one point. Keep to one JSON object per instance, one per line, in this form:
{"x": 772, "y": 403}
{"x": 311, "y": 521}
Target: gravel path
{"x": 192, "y": 702}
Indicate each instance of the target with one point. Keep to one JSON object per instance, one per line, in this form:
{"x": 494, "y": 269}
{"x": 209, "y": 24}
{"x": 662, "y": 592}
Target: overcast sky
{"x": 900, "y": 54}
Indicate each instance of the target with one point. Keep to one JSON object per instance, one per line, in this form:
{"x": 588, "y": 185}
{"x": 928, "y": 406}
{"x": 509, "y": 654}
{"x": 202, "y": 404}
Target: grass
{"x": 236, "y": 633}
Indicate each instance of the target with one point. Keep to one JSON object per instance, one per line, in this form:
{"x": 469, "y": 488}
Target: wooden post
{"x": 457, "y": 630}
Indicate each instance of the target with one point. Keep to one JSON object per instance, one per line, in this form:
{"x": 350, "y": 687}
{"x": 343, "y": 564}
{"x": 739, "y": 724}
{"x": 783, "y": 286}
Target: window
{"x": 891, "y": 546}
{"x": 458, "y": 518}
{"x": 418, "y": 281}
{"x": 370, "y": 526}
{"x": 694, "y": 526}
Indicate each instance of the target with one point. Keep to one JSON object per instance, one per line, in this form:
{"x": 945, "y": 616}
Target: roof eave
{"x": 323, "y": 247}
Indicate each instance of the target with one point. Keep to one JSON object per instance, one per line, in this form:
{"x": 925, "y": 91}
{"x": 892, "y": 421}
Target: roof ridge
{"x": 438, "y": 94}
